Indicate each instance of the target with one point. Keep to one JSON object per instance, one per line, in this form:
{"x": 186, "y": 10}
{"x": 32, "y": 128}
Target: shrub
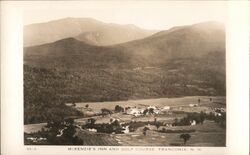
{"x": 119, "y": 108}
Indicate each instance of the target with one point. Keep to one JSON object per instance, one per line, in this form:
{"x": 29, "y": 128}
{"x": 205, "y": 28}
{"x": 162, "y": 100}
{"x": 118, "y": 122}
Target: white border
{"x": 12, "y": 87}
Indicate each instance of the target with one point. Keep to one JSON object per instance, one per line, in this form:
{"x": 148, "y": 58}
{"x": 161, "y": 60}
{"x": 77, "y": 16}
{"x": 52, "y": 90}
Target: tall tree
{"x": 185, "y": 137}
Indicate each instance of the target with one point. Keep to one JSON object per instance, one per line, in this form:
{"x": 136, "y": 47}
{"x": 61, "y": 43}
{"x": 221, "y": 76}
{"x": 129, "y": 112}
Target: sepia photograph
{"x": 126, "y": 75}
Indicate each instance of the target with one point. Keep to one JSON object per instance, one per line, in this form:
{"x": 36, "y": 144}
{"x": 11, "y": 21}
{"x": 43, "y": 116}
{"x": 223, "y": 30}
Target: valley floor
{"x": 209, "y": 133}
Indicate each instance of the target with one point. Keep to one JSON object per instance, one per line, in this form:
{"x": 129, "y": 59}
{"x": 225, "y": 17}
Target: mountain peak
{"x": 79, "y": 28}
{"x": 70, "y": 39}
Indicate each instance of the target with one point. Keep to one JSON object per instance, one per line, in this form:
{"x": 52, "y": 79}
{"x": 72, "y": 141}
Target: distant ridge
{"x": 86, "y": 29}
{"x": 181, "y": 42}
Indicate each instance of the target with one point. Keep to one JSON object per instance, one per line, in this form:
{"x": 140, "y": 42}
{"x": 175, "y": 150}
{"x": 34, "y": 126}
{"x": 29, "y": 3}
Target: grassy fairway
{"x": 208, "y": 134}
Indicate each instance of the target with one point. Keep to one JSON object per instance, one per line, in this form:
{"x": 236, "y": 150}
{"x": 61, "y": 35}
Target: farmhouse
{"x": 217, "y": 114}
{"x": 151, "y": 107}
{"x": 126, "y": 129}
{"x": 92, "y": 130}
{"x": 70, "y": 104}
{"x": 134, "y": 111}
{"x": 166, "y": 108}
{"x": 193, "y": 122}
{"x": 157, "y": 111}
{"x": 193, "y": 105}
{"x": 168, "y": 124}
{"x": 218, "y": 111}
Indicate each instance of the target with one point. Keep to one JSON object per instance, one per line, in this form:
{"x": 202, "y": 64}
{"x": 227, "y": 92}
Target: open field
{"x": 208, "y": 134}
{"x": 29, "y": 128}
{"x": 172, "y": 102}
{"x": 129, "y": 118}
{"x": 96, "y": 138}
{"x": 172, "y": 139}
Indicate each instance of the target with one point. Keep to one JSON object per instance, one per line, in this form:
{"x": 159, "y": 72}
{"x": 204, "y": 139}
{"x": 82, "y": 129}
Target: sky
{"x": 148, "y": 14}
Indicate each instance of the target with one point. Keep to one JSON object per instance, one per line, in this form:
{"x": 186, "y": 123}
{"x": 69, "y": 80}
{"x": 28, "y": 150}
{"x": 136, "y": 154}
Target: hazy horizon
{"x": 122, "y": 24}
{"x": 157, "y": 15}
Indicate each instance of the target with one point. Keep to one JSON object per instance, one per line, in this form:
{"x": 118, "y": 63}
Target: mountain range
{"x": 180, "y": 42}
{"x": 88, "y": 30}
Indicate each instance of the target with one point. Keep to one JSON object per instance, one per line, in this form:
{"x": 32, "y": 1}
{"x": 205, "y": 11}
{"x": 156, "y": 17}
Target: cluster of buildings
{"x": 138, "y": 111}
{"x": 218, "y": 111}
